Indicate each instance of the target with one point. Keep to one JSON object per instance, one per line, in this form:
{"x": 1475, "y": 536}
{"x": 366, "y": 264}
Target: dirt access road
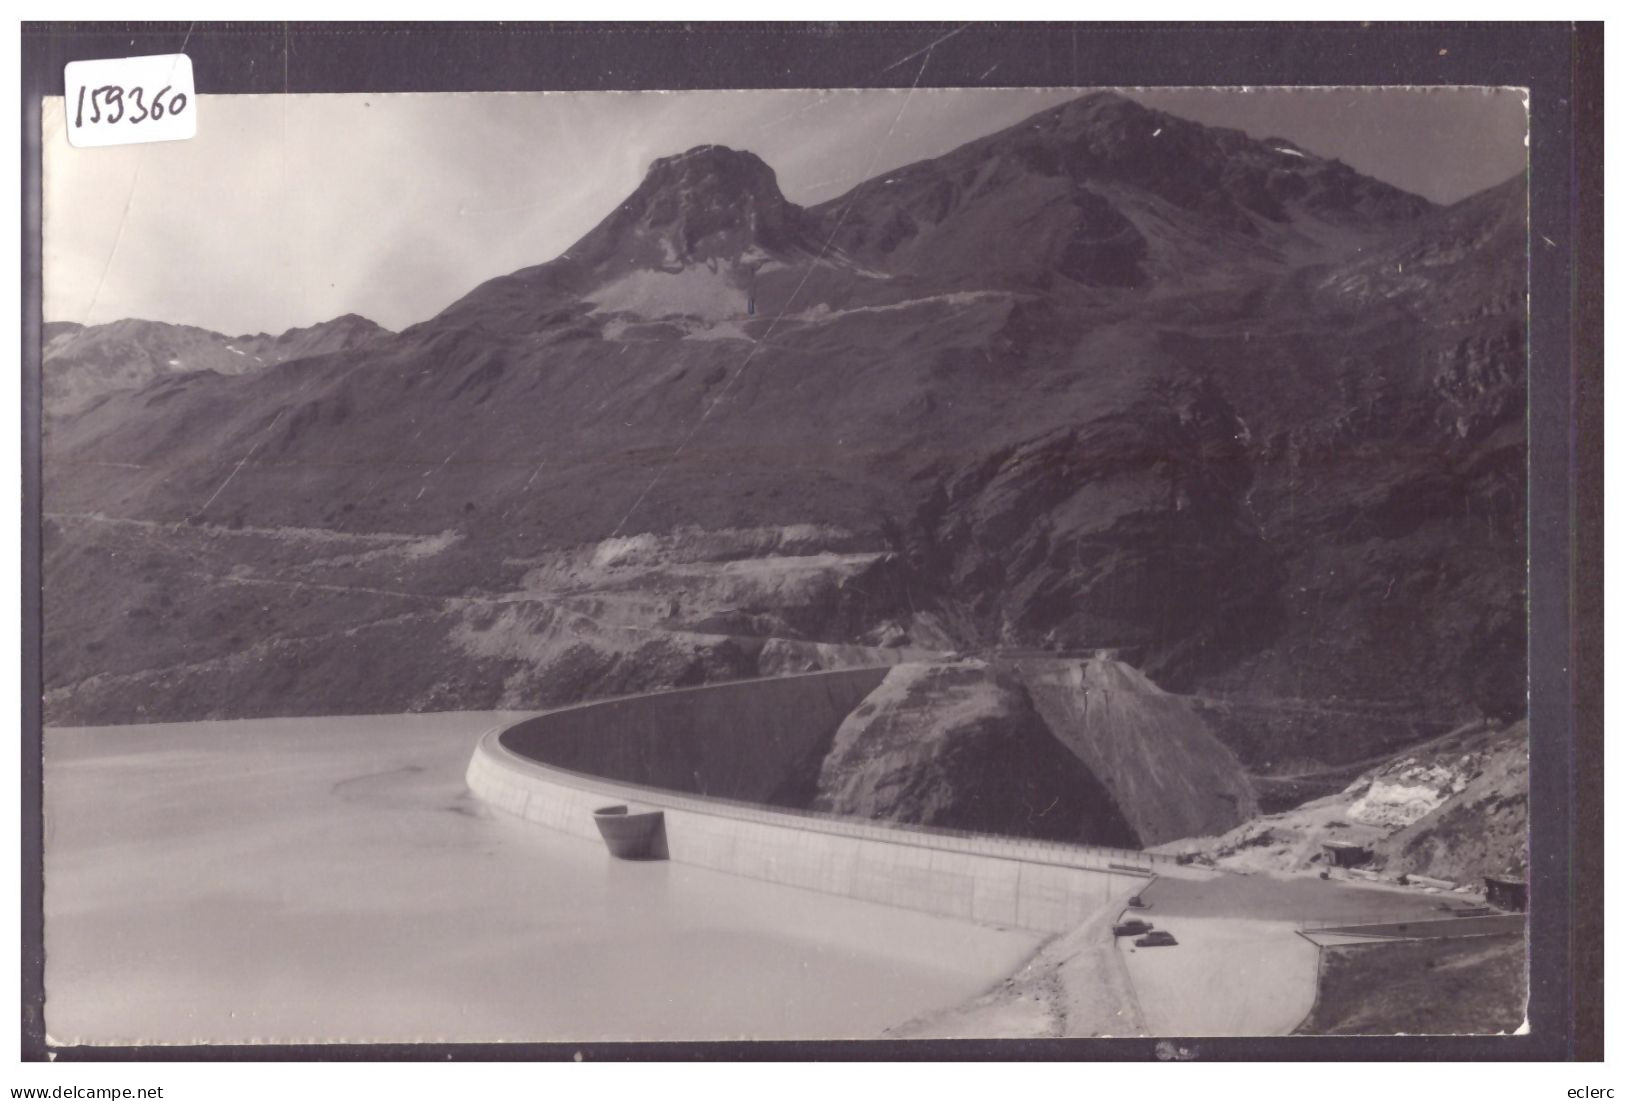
{"x": 1226, "y": 977}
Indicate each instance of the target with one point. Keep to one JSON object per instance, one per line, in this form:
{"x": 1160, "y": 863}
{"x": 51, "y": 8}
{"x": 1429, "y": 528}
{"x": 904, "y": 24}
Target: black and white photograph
{"x": 917, "y": 563}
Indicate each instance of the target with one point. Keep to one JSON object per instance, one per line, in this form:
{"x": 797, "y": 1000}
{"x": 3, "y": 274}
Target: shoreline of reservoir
{"x": 331, "y": 880}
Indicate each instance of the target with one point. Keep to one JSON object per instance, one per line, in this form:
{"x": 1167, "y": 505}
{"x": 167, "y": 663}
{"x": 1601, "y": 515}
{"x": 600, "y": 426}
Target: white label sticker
{"x": 123, "y": 100}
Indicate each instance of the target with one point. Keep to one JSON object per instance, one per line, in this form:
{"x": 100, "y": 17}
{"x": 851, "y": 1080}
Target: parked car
{"x": 1159, "y": 939}
{"x": 1133, "y": 927}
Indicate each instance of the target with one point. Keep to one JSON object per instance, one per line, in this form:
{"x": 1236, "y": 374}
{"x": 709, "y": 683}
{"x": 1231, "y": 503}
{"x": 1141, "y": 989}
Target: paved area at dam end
{"x": 311, "y": 880}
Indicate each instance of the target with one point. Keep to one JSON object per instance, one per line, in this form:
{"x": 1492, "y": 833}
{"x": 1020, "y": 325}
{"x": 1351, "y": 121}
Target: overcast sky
{"x": 287, "y": 210}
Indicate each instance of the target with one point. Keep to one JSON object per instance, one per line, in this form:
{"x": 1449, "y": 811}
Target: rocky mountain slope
{"x": 1481, "y": 829}
{"x": 1105, "y": 379}
{"x": 961, "y": 746}
{"x": 1156, "y": 753}
{"x": 1084, "y": 750}
{"x": 1455, "y": 808}
{"x": 82, "y": 364}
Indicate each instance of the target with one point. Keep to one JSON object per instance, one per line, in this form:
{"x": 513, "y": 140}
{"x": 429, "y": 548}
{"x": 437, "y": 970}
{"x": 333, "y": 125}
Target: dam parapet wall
{"x": 713, "y": 757}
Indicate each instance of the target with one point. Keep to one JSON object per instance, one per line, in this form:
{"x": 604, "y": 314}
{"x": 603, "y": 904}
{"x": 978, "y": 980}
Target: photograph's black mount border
{"x": 1561, "y": 65}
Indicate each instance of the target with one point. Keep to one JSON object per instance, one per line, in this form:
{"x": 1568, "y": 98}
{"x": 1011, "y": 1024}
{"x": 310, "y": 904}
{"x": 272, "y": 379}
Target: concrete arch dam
{"x": 716, "y": 759}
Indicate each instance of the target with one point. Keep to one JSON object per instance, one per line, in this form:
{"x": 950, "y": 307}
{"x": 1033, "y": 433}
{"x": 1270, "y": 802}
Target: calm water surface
{"x": 308, "y": 880}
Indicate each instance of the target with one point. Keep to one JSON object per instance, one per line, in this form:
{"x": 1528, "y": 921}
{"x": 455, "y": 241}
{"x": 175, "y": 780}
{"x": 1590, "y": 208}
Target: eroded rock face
{"x": 1404, "y": 795}
{"x": 960, "y": 746}
{"x": 1481, "y": 827}
{"x": 1167, "y": 771}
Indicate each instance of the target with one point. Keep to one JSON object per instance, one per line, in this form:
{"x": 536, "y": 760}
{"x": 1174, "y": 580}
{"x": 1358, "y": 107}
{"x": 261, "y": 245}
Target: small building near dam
{"x": 1506, "y": 892}
{"x": 1345, "y": 854}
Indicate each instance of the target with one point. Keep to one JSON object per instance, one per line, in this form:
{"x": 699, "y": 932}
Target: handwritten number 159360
{"x": 127, "y": 104}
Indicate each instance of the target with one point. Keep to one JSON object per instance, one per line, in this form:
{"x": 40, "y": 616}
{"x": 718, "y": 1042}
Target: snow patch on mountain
{"x": 1405, "y": 795}
{"x": 710, "y": 292}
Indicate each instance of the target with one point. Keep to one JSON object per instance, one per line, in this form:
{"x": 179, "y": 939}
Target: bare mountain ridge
{"x": 1111, "y": 192}
{"x": 82, "y": 363}
{"x": 961, "y": 746}
{"x": 1106, "y": 378}
{"x": 1093, "y": 191}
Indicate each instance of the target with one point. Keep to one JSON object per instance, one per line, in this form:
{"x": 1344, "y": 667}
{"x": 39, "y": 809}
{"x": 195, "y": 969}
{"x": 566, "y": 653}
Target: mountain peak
{"x": 1231, "y": 177}
{"x": 708, "y": 203}
{"x": 1103, "y": 107}
{"x": 717, "y": 165}
{"x": 354, "y": 320}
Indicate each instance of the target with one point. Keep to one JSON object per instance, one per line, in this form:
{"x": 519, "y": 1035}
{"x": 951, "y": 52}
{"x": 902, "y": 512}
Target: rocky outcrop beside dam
{"x": 961, "y": 746}
{"x": 1158, "y": 758}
